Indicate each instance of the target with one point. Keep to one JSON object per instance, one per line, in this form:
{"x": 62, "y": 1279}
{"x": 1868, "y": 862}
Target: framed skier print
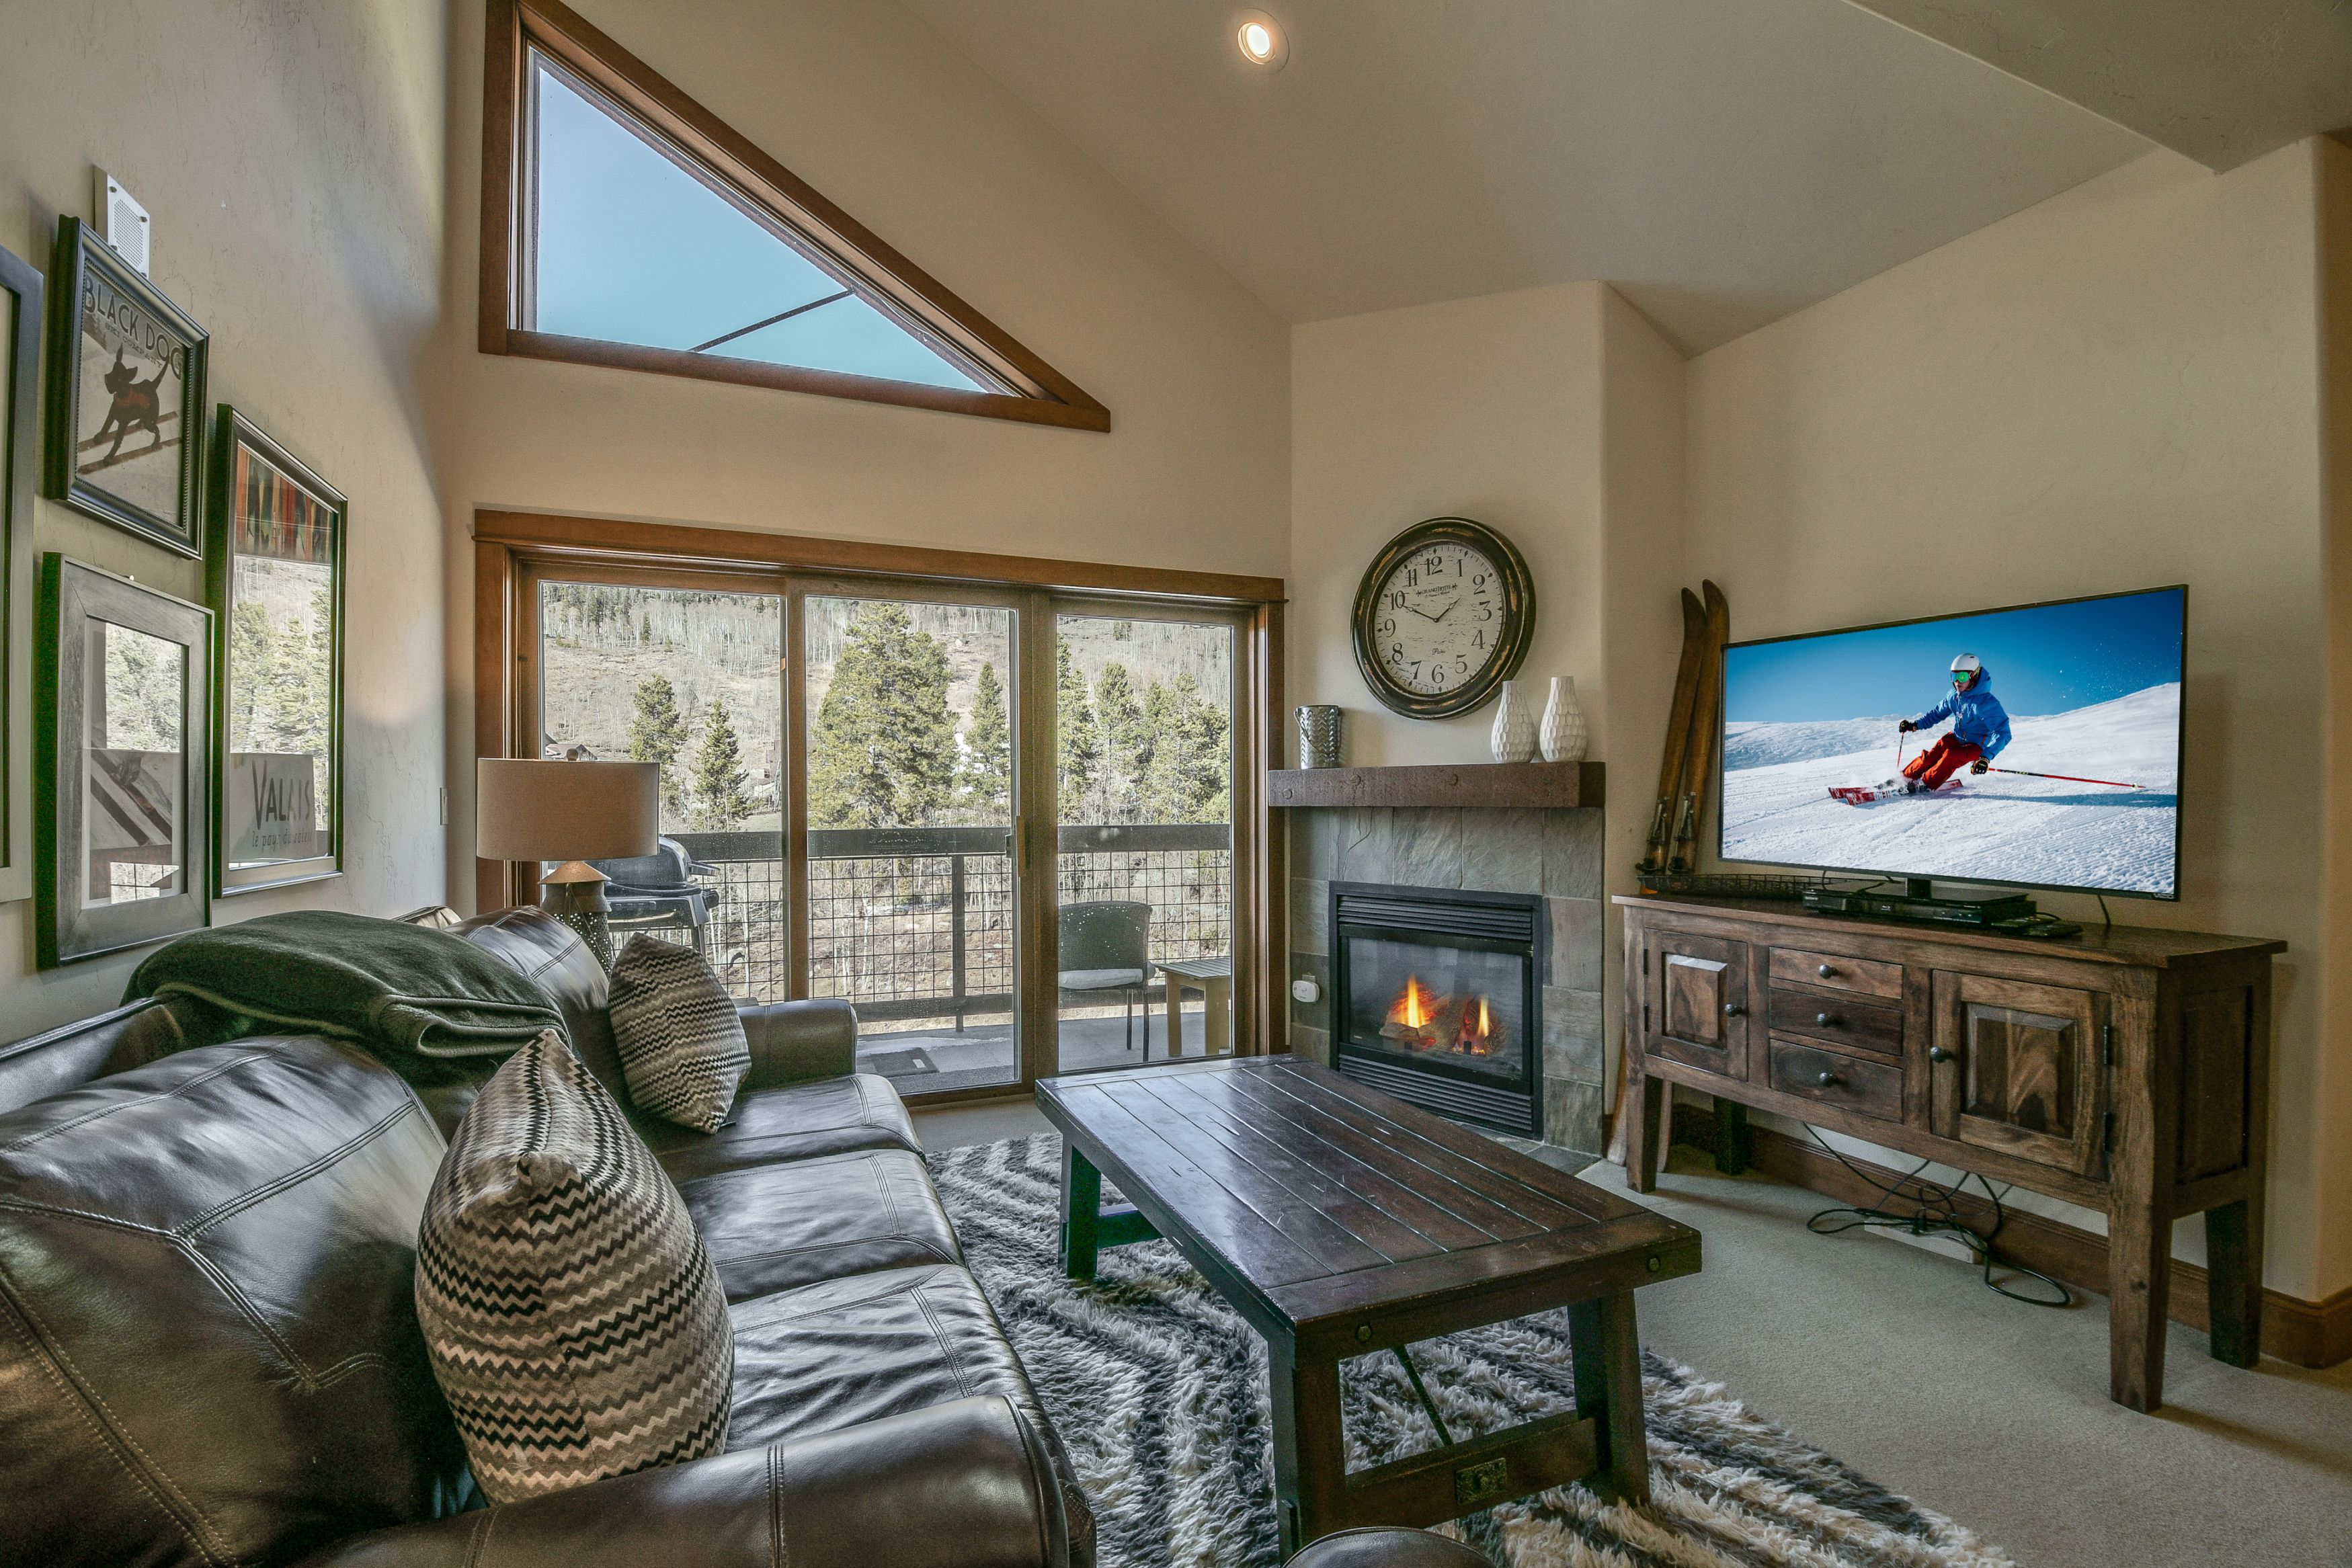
{"x": 124, "y": 760}
{"x": 275, "y": 579}
{"x": 2037, "y": 745}
{"x": 126, "y": 395}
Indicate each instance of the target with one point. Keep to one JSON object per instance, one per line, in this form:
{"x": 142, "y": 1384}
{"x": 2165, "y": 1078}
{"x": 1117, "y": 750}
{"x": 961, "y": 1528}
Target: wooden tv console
{"x": 2127, "y": 1070}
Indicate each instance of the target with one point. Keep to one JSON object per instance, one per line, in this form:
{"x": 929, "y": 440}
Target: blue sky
{"x": 632, "y": 250}
{"x": 2044, "y": 660}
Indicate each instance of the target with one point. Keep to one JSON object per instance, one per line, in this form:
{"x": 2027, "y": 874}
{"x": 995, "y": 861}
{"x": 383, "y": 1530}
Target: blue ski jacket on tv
{"x": 1977, "y": 716}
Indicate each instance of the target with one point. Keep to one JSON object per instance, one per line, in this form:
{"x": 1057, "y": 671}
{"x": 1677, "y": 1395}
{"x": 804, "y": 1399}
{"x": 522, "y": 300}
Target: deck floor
{"x": 926, "y": 1056}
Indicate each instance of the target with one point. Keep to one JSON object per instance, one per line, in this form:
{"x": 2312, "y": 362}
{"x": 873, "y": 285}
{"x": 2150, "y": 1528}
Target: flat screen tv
{"x": 2036, "y": 746}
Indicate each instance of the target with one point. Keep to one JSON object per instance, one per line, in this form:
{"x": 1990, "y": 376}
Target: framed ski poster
{"x": 126, "y": 395}
{"x": 274, "y": 572}
{"x": 125, "y": 734}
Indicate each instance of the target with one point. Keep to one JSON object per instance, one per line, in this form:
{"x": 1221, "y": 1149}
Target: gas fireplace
{"x": 1437, "y": 997}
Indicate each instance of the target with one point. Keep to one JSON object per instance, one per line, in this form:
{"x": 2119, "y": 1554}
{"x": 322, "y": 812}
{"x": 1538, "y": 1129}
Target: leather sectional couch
{"x": 208, "y": 1353}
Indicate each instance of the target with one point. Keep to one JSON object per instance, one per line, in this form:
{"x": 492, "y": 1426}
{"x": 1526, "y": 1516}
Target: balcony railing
{"x": 917, "y": 923}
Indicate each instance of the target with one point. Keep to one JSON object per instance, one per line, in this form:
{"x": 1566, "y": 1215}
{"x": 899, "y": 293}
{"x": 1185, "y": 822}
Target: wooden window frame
{"x": 512, "y": 549}
{"x": 766, "y": 192}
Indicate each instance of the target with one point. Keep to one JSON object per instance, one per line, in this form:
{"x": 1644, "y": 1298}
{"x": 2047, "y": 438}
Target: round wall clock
{"x": 1444, "y": 617}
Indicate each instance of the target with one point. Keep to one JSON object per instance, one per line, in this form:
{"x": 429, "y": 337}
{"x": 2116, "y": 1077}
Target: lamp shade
{"x": 529, "y": 810}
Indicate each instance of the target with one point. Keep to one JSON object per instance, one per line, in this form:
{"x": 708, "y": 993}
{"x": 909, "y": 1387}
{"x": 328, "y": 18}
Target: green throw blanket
{"x": 420, "y": 998}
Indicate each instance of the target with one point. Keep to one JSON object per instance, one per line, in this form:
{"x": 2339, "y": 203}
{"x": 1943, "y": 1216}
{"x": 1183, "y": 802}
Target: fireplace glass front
{"x": 1463, "y": 1006}
{"x": 1437, "y": 999}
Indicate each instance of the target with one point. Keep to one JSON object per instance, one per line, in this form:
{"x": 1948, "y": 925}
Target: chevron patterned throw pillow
{"x": 573, "y": 1318}
{"x": 682, "y": 1046}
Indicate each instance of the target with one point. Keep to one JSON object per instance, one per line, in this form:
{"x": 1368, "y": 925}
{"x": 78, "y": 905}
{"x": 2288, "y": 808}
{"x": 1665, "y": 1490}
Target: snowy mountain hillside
{"x": 1762, "y": 744}
{"x": 1993, "y": 827}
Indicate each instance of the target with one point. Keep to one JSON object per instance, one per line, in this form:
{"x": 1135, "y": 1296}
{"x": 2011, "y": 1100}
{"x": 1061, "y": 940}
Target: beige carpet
{"x": 1901, "y": 1364}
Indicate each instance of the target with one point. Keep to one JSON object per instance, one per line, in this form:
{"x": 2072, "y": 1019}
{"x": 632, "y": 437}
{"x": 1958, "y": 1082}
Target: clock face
{"x": 1444, "y": 616}
{"x": 1440, "y": 618}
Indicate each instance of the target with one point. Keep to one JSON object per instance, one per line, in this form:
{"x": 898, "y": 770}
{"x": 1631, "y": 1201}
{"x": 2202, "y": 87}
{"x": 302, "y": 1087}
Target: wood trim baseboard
{"x": 681, "y": 544}
{"x": 2307, "y": 1333}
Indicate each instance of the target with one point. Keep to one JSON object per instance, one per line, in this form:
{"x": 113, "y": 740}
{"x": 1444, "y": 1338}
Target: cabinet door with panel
{"x": 1697, "y": 1011}
{"x": 2018, "y": 1068}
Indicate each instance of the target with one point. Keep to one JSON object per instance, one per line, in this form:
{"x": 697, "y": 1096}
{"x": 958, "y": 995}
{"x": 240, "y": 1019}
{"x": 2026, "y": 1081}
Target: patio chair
{"x": 1107, "y": 946}
{"x": 656, "y": 891}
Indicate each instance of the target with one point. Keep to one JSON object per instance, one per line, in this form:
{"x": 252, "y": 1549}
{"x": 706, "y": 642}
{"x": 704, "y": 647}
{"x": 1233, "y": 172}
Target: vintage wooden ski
{"x": 1693, "y": 727}
{"x": 1706, "y": 731}
{"x": 1678, "y": 716}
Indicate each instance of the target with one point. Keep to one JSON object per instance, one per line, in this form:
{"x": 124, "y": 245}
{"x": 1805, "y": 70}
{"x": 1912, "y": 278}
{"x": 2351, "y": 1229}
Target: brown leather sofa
{"x": 207, "y": 1353}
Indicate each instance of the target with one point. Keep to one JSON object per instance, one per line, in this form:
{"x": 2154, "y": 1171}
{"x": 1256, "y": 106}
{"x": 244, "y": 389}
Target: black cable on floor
{"x": 1935, "y": 1211}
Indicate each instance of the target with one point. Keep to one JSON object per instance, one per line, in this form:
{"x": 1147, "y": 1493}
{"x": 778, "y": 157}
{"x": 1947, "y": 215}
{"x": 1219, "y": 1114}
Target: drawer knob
{"x": 1827, "y": 1020}
{"x": 1826, "y": 1077}
{"x": 1938, "y": 1053}
{"x": 1829, "y": 971}
{"x": 1732, "y": 1009}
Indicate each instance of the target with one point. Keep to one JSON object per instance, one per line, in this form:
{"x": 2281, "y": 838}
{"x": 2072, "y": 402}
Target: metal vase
{"x": 1318, "y": 735}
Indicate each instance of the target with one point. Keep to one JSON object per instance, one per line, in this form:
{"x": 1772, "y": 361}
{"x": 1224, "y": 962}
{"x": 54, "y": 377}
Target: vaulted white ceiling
{"x": 1722, "y": 161}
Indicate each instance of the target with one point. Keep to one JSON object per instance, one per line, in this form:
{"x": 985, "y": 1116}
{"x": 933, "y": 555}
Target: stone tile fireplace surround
{"x": 1552, "y": 853}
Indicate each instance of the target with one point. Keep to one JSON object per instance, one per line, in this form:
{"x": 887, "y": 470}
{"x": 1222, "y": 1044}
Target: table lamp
{"x": 573, "y": 812}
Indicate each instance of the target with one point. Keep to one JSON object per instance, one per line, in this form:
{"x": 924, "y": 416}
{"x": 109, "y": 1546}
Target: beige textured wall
{"x": 1487, "y": 408}
{"x": 879, "y": 113}
{"x": 2116, "y": 389}
{"x": 1643, "y": 458}
{"x": 291, "y": 156}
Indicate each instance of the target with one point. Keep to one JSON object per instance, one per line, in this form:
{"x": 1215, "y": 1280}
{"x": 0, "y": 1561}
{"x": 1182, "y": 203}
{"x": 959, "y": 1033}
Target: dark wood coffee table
{"x": 1338, "y": 1220}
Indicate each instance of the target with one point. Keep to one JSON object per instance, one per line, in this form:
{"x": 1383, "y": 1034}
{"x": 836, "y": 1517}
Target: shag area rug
{"x": 1159, "y": 1391}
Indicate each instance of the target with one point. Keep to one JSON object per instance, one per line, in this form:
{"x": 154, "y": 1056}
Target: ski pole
{"x": 2069, "y": 777}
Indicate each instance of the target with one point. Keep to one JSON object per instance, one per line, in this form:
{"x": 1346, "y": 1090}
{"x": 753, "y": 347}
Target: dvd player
{"x": 1878, "y": 905}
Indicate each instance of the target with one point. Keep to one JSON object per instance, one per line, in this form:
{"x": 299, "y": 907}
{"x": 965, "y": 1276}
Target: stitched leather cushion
{"x": 682, "y": 1047}
{"x": 771, "y": 1228}
{"x": 574, "y": 1320}
{"x": 208, "y": 1349}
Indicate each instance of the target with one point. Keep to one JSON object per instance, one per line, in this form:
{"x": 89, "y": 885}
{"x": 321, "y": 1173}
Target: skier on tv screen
{"x": 1979, "y": 729}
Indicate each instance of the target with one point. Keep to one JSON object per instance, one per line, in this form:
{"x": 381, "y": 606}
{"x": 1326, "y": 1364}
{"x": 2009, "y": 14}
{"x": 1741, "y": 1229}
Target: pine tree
{"x": 295, "y": 702}
{"x": 718, "y": 777}
{"x": 1126, "y": 744}
{"x": 1204, "y": 747}
{"x": 883, "y": 752}
{"x": 253, "y": 655}
{"x": 988, "y": 750}
{"x": 1159, "y": 791}
{"x": 658, "y": 735}
{"x": 1078, "y": 761}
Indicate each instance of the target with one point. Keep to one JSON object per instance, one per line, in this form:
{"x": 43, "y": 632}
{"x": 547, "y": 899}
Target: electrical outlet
{"x": 1306, "y": 990}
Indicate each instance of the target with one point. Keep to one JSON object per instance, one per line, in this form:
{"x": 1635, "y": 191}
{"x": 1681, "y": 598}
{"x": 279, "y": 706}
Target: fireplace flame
{"x": 1416, "y": 1013}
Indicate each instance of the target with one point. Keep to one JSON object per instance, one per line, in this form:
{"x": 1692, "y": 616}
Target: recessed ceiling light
{"x": 1261, "y": 40}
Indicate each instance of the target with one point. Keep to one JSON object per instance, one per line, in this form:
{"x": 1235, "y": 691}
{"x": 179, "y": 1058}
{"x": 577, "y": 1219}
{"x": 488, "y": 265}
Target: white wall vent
{"x": 123, "y": 222}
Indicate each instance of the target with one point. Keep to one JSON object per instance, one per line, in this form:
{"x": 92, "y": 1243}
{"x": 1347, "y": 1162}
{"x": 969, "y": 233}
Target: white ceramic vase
{"x": 1515, "y": 727}
{"x": 1564, "y": 734}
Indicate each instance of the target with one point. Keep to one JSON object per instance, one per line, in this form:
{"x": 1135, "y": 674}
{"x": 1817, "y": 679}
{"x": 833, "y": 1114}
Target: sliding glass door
{"x": 689, "y": 675}
{"x": 1143, "y": 739}
{"x": 910, "y": 796}
{"x": 998, "y": 822}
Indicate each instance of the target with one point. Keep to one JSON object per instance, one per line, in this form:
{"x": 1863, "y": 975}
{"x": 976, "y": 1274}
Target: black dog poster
{"x": 132, "y": 367}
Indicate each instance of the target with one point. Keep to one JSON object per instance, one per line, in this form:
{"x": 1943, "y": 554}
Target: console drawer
{"x": 1841, "y": 1020}
{"x": 1837, "y": 972}
{"x": 1829, "y": 1078}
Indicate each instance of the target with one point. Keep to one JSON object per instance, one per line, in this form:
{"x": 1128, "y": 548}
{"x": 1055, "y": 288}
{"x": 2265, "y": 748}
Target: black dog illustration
{"x": 138, "y": 405}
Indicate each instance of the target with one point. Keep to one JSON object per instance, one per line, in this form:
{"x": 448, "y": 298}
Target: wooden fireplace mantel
{"x": 1519, "y": 785}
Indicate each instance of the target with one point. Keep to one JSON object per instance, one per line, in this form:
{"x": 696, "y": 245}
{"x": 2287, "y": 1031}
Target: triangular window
{"x": 642, "y": 232}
